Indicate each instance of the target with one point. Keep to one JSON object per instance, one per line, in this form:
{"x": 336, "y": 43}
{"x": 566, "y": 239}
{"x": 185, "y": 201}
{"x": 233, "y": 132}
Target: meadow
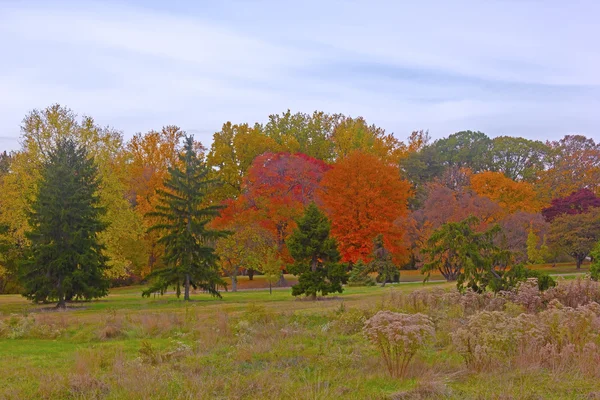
{"x": 256, "y": 345}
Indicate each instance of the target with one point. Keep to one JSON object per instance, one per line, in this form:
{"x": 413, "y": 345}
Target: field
{"x": 252, "y": 344}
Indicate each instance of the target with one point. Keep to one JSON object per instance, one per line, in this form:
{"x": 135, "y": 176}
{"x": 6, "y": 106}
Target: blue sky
{"x": 513, "y": 67}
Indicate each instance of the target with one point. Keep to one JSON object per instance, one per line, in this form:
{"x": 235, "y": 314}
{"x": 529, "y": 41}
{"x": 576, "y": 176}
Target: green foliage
{"x": 518, "y": 273}
{"x": 469, "y": 257}
{"x": 189, "y": 257}
{"x": 535, "y": 255}
{"x": 359, "y": 275}
{"x": 382, "y": 263}
{"x": 65, "y": 259}
{"x": 595, "y": 267}
{"x": 315, "y": 256}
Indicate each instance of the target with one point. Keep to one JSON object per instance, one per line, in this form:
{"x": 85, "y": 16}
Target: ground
{"x": 251, "y": 344}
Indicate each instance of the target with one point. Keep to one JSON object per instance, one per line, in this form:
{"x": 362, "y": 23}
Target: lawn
{"x": 248, "y": 345}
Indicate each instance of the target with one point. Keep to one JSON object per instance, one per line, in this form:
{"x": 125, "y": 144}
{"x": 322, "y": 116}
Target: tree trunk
{"x": 281, "y": 282}
{"x": 62, "y": 304}
{"x": 233, "y": 282}
{"x": 579, "y": 261}
{"x": 313, "y": 297}
{"x": 251, "y": 274}
{"x": 270, "y": 288}
{"x": 186, "y": 293}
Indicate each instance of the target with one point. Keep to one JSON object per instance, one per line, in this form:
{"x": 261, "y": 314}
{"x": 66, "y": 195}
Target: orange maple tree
{"x": 364, "y": 197}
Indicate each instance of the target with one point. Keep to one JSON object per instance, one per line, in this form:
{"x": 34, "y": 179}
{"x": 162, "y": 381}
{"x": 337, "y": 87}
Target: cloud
{"x": 523, "y": 68}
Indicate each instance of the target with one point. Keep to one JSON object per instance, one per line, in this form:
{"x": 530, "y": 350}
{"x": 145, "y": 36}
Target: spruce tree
{"x": 189, "y": 256}
{"x": 315, "y": 256}
{"x": 382, "y": 263}
{"x": 65, "y": 259}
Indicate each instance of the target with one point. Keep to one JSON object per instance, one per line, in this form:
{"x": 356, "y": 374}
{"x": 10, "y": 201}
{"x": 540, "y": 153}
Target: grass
{"x": 250, "y": 344}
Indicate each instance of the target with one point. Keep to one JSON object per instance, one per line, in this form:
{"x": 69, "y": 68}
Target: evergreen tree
{"x": 189, "y": 256}
{"x": 382, "y": 263}
{"x": 315, "y": 256}
{"x": 65, "y": 260}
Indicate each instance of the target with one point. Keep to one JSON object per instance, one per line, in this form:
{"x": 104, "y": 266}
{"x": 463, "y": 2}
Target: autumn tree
{"x": 572, "y": 163}
{"x": 40, "y": 131}
{"x": 576, "y": 234}
{"x": 66, "y": 259}
{"x": 233, "y": 150}
{"x": 517, "y": 229}
{"x": 277, "y": 188}
{"x": 510, "y": 195}
{"x": 190, "y": 258}
{"x": 247, "y": 247}
{"x": 149, "y": 157}
{"x": 578, "y": 202}
{"x": 363, "y": 197}
{"x": 354, "y": 134}
{"x": 309, "y": 134}
{"x": 315, "y": 256}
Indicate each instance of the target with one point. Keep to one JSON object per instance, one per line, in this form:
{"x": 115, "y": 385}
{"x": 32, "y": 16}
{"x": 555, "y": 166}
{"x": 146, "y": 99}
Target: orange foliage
{"x": 363, "y": 197}
{"x": 510, "y": 195}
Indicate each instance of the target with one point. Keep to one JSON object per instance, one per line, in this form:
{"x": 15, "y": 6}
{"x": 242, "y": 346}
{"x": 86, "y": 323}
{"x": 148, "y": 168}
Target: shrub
{"x": 398, "y": 337}
{"x": 574, "y": 293}
{"x": 359, "y": 275}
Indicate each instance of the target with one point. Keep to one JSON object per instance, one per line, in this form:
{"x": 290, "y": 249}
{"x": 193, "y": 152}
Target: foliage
{"x": 382, "y": 263}
{"x": 315, "y": 256}
{"x": 573, "y": 163}
{"x": 510, "y": 195}
{"x": 359, "y": 275}
{"x": 578, "y": 202}
{"x": 363, "y": 197}
{"x": 595, "y": 267}
{"x": 65, "y": 260}
{"x": 576, "y": 234}
{"x": 465, "y": 149}
{"x": 398, "y": 337}
{"x": 469, "y": 257}
{"x": 189, "y": 257}
{"x": 518, "y": 158}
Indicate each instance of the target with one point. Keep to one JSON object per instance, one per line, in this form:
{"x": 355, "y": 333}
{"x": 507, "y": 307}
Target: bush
{"x": 398, "y": 337}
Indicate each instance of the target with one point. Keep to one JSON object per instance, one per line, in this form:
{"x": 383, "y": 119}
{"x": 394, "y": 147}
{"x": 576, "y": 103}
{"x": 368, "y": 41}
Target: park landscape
{"x": 314, "y": 257}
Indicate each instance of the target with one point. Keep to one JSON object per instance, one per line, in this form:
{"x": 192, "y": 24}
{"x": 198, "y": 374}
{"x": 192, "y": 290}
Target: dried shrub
{"x": 398, "y": 337}
{"x": 574, "y": 293}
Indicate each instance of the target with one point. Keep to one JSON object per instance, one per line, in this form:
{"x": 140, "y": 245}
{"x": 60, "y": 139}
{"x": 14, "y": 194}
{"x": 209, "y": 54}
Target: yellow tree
{"x": 510, "y": 195}
{"x": 233, "y": 149}
{"x": 40, "y": 131}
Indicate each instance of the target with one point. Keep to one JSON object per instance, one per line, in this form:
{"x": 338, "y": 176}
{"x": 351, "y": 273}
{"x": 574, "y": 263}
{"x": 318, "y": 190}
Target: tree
{"x": 572, "y": 163}
{"x": 41, "y": 130}
{"x": 364, "y": 196}
{"x": 577, "y": 202}
{"x": 190, "y": 258}
{"x": 519, "y": 159}
{"x": 576, "y": 234}
{"x": 353, "y": 134}
{"x": 382, "y": 263}
{"x": 247, "y": 247}
{"x": 536, "y": 254}
{"x": 315, "y": 256}
{"x": 277, "y": 188}
{"x": 465, "y": 149}
{"x": 595, "y": 267}
{"x": 518, "y": 231}
{"x": 510, "y": 195}
{"x": 462, "y": 254}
{"x": 303, "y": 133}
{"x": 271, "y": 267}
{"x": 66, "y": 259}
{"x": 233, "y": 150}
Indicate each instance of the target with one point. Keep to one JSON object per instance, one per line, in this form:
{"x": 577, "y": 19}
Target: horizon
{"x": 137, "y": 66}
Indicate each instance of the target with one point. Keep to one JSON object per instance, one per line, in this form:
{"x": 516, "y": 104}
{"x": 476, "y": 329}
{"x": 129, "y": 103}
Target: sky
{"x": 526, "y": 68}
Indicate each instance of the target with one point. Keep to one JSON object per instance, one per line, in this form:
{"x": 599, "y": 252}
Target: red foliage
{"x": 576, "y": 203}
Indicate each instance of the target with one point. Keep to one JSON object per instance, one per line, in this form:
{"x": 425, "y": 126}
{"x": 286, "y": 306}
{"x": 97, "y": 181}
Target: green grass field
{"x": 249, "y": 345}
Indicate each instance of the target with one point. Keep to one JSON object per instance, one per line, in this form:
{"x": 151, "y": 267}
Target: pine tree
{"x": 315, "y": 256}
{"x": 382, "y": 263}
{"x": 189, "y": 256}
{"x": 65, "y": 260}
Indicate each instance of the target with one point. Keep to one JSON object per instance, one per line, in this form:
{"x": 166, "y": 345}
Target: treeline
{"x": 385, "y": 203}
